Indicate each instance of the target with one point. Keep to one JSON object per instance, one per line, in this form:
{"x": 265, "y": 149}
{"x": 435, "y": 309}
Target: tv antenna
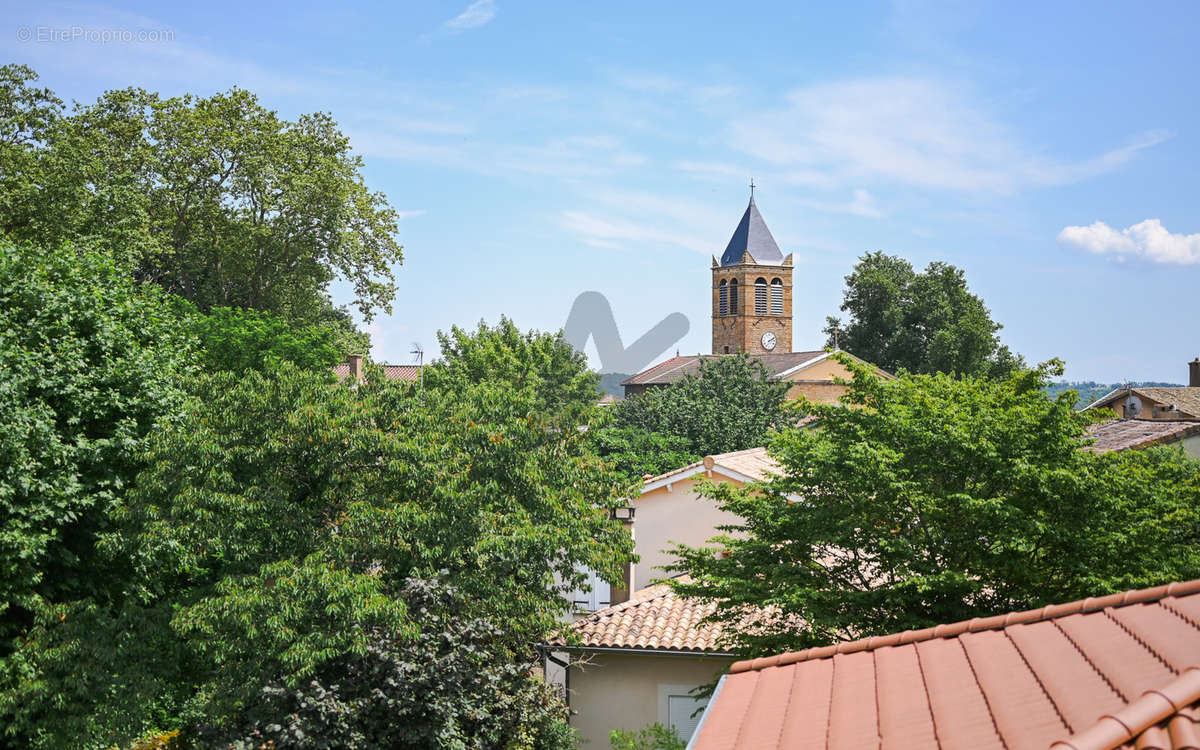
{"x": 419, "y": 355}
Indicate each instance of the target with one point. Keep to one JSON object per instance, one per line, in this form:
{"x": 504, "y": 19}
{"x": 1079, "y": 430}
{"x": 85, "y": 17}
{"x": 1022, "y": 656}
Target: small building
{"x": 637, "y": 662}
{"x": 1107, "y": 672}
{"x": 1155, "y": 402}
{"x": 1134, "y": 434}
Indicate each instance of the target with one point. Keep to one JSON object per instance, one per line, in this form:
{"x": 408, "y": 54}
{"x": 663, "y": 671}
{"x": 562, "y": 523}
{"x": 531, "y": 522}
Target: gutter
{"x": 704, "y": 716}
{"x": 646, "y": 651}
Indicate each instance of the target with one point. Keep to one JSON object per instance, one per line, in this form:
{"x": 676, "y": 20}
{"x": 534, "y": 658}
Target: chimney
{"x": 356, "y": 368}
{"x": 1194, "y": 373}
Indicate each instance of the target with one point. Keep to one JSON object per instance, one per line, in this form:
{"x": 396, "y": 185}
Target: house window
{"x": 776, "y": 297}
{"x": 733, "y": 300}
{"x": 723, "y": 298}
{"x": 760, "y": 297}
{"x": 595, "y": 595}
{"x": 679, "y": 710}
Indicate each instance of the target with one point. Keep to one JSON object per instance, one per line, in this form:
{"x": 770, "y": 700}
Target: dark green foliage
{"x": 88, "y": 369}
{"x": 930, "y": 499}
{"x": 729, "y": 405}
{"x": 238, "y": 340}
{"x": 636, "y": 452}
{"x": 275, "y": 530}
{"x": 653, "y": 737}
{"x": 215, "y": 199}
{"x": 460, "y": 682}
{"x": 919, "y": 322}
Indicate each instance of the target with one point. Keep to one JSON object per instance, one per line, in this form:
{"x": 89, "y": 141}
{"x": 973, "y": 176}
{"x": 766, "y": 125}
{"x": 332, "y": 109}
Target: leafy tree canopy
{"x": 273, "y": 542}
{"x": 729, "y": 405}
{"x": 238, "y": 340}
{"x": 926, "y": 322}
{"x": 216, "y": 199}
{"x": 931, "y": 499}
{"x": 541, "y": 365}
{"x": 89, "y": 367}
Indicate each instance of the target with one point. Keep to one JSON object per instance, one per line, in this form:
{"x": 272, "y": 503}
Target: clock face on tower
{"x": 768, "y": 341}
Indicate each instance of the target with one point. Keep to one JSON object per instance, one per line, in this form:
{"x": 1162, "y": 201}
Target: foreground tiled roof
{"x": 1106, "y": 672}
{"x": 653, "y": 619}
{"x": 751, "y": 462}
{"x": 676, "y": 368}
{"x": 1127, "y": 434}
{"x": 391, "y": 372}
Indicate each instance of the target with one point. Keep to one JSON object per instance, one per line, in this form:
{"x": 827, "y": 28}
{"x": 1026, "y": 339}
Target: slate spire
{"x": 752, "y": 235}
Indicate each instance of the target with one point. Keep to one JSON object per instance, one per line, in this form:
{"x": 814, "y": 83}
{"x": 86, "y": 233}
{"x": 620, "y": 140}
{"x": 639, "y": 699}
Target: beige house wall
{"x": 666, "y": 517}
{"x": 622, "y": 690}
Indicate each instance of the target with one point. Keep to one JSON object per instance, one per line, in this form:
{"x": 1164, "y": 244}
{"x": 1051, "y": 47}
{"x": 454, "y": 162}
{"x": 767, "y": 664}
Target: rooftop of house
{"x": 652, "y": 619}
{"x": 1129, "y": 434}
{"x": 751, "y": 464}
{"x": 1094, "y": 674}
{"x": 1185, "y": 399}
{"x": 677, "y": 367}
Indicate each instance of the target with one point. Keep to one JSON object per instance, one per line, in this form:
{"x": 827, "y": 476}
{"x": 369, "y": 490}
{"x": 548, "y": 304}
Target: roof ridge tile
{"x": 1049, "y": 612}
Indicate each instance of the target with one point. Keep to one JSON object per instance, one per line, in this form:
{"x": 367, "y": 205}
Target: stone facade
{"x": 741, "y": 328}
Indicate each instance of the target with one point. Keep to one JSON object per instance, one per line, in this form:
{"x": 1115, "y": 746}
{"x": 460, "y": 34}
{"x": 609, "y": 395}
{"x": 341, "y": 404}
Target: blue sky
{"x": 540, "y": 150}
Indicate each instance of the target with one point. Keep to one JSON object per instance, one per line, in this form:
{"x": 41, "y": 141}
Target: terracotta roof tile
{"x": 391, "y": 372}
{"x": 653, "y": 619}
{"x": 1094, "y": 674}
{"x": 1127, "y": 434}
{"x": 752, "y": 462}
{"x": 1186, "y": 399}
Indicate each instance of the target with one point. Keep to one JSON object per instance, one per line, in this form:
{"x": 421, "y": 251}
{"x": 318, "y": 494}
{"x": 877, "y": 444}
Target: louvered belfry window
{"x": 776, "y": 297}
{"x": 760, "y": 297}
{"x": 733, "y": 300}
{"x": 723, "y": 298}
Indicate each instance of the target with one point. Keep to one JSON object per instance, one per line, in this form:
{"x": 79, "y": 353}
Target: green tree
{"x": 919, "y": 322}
{"x": 89, "y": 368}
{"x": 459, "y": 683}
{"x": 238, "y": 340}
{"x": 931, "y": 499}
{"x": 541, "y": 365}
{"x": 271, "y": 539}
{"x": 636, "y": 452}
{"x": 216, "y": 199}
{"x": 729, "y": 405}
{"x": 653, "y": 737}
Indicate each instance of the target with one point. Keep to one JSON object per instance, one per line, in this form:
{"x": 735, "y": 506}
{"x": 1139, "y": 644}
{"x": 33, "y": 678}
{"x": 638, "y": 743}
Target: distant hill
{"x": 610, "y": 383}
{"x": 1090, "y": 390}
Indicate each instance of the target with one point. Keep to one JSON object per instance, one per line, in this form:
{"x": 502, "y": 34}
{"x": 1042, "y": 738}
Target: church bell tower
{"x": 752, "y": 291}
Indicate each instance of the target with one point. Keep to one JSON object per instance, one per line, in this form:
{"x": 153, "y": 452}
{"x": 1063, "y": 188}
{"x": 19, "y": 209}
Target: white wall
{"x": 666, "y": 517}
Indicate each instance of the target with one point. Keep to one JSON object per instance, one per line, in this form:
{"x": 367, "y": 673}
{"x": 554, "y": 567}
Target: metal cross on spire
{"x": 751, "y": 188}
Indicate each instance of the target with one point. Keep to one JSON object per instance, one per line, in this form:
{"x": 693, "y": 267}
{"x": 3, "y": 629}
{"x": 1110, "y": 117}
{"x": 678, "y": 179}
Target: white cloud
{"x": 402, "y": 215}
{"x": 1148, "y": 239}
{"x": 599, "y": 231}
{"x": 861, "y": 204}
{"x": 910, "y": 131}
{"x": 477, "y": 14}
